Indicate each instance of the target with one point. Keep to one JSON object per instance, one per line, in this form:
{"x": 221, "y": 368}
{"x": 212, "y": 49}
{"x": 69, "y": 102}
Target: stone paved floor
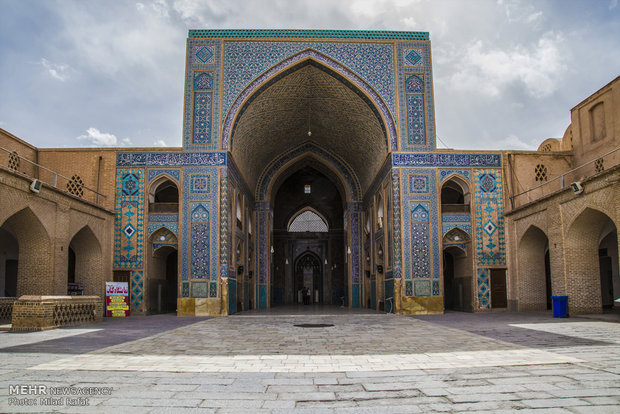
{"x": 366, "y": 362}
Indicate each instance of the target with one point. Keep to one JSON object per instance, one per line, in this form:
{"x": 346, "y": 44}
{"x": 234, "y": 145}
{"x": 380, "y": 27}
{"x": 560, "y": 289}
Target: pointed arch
{"x": 347, "y": 179}
{"x": 88, "y": 260}
{"x": 533, "y": 277}
{"x": 581, "y": 251}
{"x": 35, "y": 274}
{"x": 304, "y": 218}
{"x": 329, "y": 65}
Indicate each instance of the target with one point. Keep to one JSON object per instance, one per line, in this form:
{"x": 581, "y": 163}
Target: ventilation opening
{"x": 314, "y": 325}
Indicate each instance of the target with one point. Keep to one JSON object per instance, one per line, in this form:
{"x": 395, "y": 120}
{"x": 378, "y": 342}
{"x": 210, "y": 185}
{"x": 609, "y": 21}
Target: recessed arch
{"x": 455, "y": 195}
{"x": 582, "y": 244}
{"x": 287, "y": 163}
{"x": 307, "y": 102}
{"x": 88, "y": 261}
{"x": 307, "y": 219}
{"x": 35, "y": 269}
{"x": 294, "y": 63}
{"x": 533, "y": 278}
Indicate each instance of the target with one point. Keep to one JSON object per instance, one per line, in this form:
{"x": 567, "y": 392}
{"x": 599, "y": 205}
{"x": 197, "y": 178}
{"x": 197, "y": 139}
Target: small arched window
{"x": 239, "y": 214}
{"x": 379, "y": 212}
{"x": 308, "y": 220}
{"x": 455, "y": 197}
{"x": 164, "y": 196}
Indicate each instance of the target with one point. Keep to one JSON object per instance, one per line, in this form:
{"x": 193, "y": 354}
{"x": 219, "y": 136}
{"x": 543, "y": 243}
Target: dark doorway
{"x": 308, "y": 277}
{"x": 448, "y": 280}
{"x": 498, "y": 288}
{"x": 71, "y": 266}
{"x": 171, "y": 282}
{"x": 10, "y": 281}
{"x": 548, "y": 278}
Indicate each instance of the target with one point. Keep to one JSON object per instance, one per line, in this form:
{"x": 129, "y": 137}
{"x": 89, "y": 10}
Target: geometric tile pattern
{"x": 417, "y": 130}
{"x": 489, "y": 218}
{"x": 484, "y": 294}
{"x": 347, "y": 76}
{"x": 372, "y": 62}
{"x": 436, "y": 288}
{"x": 171, "y": 227}
{"x": 202, "y": 117}
{"x": 420, "y": 233}
{"x": 413, "y": 57}
{"x": 418, "y": 184}
{"x": 137, "y": 290}
{"x": 422, "y": 288}
{"x": 155, "y": 172}
{"x": 163, "y": 237}
{"x": 396, "y": 223}
{"x": 443, "y": 174}
{"x": 307, "y": 33}
{"x": 164, "y": 218}
{"x": 199, "y": 289}
{"x": 445, "y": 228}
{"x": 202, "y": 95}
{"x": 129, "y": 232}
{"x": 200, "y": 224}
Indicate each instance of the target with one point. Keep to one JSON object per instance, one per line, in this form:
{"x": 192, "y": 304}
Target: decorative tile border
{"x": 129, "y": 224}
{"x": 446, "y": 160}
{"x": 170, "y": 159}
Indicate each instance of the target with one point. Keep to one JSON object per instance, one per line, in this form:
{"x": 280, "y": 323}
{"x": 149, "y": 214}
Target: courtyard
{"x": 317, "y": 359}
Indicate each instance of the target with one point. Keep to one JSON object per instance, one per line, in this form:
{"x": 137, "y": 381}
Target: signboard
{"x": 117, "y": 298}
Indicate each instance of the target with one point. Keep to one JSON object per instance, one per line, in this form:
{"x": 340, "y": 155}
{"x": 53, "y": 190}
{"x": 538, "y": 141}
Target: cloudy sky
{"x": 506, "y": 72}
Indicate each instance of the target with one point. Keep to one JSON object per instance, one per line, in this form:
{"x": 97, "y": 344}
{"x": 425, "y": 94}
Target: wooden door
{"x": 498, "y": 288}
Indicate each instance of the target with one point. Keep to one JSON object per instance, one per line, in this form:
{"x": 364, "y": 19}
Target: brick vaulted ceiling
{"x": 279, "y": 116}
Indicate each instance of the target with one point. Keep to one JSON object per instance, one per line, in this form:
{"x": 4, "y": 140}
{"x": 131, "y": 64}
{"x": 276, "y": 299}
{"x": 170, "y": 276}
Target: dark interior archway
{"x": 308, "y": 191}
{"x": 9, "y": 254}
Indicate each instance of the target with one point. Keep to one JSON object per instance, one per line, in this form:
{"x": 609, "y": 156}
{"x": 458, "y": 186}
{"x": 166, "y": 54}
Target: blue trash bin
{"x": 560, "y": 306}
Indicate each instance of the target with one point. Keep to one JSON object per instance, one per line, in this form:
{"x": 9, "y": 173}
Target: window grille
{"x": 308, "y": 221}
{"x": 75, "y": 186}
{"x": 541, "y": 172}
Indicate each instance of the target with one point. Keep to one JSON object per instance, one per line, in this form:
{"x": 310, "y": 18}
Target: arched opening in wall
{"x": 9, "y": 254}
{"x": 608, "y": 263}
{"x": 309, "y": 225}
{"x": 30, "y": 258}
{"x": 164, "y": 196}
{"x": 313, "y": 109}
{"x": 457, "y": 271}
{"x": 239, "y": 215}
{"x": 308, "y": 280}
{"x": 455, "y": 196}
{"x": 591, "y": 254}
{"x": 162, "y": 278}
{"x": 85, "y": 264}
{"x": 534, "y": 272}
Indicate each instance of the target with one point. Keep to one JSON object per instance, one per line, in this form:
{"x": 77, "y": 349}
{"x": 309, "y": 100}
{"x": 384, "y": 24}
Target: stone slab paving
{"x": 364, "y": 363}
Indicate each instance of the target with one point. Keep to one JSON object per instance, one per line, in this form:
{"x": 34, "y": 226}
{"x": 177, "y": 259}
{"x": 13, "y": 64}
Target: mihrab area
{"x": 309, "y": 174}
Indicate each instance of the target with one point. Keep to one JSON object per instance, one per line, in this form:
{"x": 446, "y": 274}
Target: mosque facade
{"x": 309, "y": 173}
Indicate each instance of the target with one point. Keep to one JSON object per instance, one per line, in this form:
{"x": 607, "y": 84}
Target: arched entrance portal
{"x": 308, "y": 238}
{"x": 311, "y": 110}
{"x": 457, "y": 271}
{"x": 162, "y": 276}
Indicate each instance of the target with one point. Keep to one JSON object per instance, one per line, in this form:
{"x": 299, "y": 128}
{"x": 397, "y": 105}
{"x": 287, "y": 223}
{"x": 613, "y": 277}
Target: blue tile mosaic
{"x": 154, "y": 173}
{"x": 129, "y": 224}
{"x": 445, "y": 160}
{"x": 170, "y": 159}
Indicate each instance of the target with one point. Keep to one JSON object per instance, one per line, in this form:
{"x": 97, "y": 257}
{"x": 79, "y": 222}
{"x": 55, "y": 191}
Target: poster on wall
{"x": 117, "y": 299}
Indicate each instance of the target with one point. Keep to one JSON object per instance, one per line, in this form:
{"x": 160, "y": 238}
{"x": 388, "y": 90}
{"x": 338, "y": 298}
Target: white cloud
{"x": 160, "y": 143}
{"x": 57, "y": 71}
{"x": 613, "y": 4}
{"x": 102, "y": 139}
{"x": 489, "y": 71}
{"x": 515, "y": 143}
